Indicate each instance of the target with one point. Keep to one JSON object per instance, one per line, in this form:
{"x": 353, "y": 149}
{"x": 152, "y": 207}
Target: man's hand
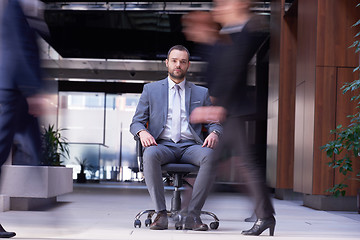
{"x": 211, "y": 140}
{"x": 147, "y": 139}
{"x": 211, "y": 114}
{"x": 40, "y": 105}
{"x": 199, "y": 27}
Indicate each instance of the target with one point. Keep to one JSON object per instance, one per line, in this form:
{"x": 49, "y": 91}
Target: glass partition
{"x": 97, "y": 129}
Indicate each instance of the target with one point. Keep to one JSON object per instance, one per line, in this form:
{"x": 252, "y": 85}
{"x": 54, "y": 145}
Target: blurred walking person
{"x": 232, "y": 47}
{"x": 20, "y": 79}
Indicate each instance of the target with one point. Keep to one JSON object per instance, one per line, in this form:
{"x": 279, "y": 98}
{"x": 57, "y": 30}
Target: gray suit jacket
{"x": 153, "y": 107}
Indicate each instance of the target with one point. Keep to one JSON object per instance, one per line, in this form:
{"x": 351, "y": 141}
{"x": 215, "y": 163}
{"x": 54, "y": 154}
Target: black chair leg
{"x": 176, "y": 199}
{"x": 148, "y": 221}
{"x": 178, "y": 182}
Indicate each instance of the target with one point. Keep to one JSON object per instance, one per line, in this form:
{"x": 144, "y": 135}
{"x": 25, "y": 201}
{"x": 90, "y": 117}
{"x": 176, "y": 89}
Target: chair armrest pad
{"x": 139, "y": 153}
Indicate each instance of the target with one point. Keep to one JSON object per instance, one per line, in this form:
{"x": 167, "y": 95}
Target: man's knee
{"x": 207, "y": 156}
{"x": 154, "y": 155}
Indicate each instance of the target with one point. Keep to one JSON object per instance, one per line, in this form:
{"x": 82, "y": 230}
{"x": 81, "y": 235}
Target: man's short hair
{"x": 180, "y": 48}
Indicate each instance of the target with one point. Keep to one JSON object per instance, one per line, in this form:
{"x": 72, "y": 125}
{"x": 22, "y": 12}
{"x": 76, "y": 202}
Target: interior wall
{"x": 273, "y": 93}
{"x": 305, "y": 95}
{"x": 324, "y": 63}
{"x": 325, "y": 115}
{"x": 287, "y": 89}
{"x": 281, "y": 101}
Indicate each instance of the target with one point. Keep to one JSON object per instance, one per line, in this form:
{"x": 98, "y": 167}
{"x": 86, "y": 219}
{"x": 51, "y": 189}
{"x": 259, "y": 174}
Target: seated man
{"x": 165, "y": 106}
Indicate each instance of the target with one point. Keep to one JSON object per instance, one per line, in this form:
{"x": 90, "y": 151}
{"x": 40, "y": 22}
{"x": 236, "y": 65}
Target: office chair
{"x": 175, "y": 173}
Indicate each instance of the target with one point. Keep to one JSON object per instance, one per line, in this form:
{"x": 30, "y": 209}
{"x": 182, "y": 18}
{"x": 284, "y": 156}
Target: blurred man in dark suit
{"x": 20, "y": 80}
{"x": 233, "y": 46}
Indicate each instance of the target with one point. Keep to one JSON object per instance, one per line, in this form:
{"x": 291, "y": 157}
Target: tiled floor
{"x": 107, "y": 212}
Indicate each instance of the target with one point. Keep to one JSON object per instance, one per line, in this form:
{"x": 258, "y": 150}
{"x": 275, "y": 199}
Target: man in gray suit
{"x": 165, "y": 106}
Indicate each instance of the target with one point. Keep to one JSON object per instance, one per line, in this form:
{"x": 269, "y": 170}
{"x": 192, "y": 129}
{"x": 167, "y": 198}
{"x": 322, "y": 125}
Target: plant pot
{"x": 35, "y": 181}
{"x": 81, "y": 178}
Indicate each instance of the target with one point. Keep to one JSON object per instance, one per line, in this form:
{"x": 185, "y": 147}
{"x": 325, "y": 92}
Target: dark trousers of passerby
{"x": 235, "y": 138}
{"x": 18, "y": 128}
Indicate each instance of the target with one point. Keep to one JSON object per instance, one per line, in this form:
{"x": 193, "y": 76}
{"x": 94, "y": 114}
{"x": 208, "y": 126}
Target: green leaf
{"x": 357, "y": 23}
{"x": 354, "y": 44}
{"x": 337, "y": 193}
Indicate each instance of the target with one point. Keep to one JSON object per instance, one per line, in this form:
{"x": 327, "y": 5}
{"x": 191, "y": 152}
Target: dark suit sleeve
{"x": 211, "y": 126}
{"x": 20, "y": 58}
{"x": 229, "y": 72}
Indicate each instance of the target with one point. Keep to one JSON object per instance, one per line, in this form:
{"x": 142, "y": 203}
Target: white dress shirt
{"x": 185, "y": 131}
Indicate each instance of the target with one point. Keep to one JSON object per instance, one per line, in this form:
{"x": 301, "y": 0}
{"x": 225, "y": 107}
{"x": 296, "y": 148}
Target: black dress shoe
{"x": 5, "y": 234}
{"x": 195, "y": 224}
{"x": 261, "y": 225}
{"x": 160, "y": 222}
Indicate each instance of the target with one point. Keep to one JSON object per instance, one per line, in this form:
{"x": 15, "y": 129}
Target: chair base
{"x": 172, "y": 214}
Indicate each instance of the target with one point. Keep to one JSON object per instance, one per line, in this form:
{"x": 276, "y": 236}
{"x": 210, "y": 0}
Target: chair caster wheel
{"x": 214, "y": 225}
{"x": 137, "y": 223}
{"x": 178, "y": 226}
{"x": 148, "y": 222}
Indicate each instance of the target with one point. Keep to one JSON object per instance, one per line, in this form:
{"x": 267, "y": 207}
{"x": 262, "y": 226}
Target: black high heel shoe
{"x": 5, "y": 234}
{"x": 261, "y": 225}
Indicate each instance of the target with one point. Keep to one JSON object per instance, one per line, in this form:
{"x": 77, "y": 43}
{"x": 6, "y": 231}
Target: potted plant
{"x": 53, "y": 147}
{"x": 81, "y": 177}
{"x": 47, "y": 181}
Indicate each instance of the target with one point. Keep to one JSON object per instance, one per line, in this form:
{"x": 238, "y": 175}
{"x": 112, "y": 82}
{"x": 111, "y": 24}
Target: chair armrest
{"x": 139, "y": 153}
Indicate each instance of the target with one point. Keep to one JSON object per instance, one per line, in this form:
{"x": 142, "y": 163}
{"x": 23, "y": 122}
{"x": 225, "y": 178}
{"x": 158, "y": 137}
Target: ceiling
{"x": 118, "y": 41}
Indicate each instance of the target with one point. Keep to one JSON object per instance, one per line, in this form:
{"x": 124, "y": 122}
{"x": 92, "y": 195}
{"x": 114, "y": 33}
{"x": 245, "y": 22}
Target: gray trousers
{"x": 182, "y": 152}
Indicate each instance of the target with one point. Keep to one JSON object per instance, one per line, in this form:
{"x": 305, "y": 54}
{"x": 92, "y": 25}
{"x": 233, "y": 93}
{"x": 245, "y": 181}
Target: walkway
{"x": 106, "y": 211}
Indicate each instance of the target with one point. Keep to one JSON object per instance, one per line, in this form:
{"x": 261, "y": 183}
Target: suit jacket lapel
{"x": 187, "y": 98}
{"x": 165, "y": 95}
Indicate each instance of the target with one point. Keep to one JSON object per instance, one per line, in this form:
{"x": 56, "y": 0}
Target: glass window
{"x": 82, "y": 115}
{"x": 97, "y": 128}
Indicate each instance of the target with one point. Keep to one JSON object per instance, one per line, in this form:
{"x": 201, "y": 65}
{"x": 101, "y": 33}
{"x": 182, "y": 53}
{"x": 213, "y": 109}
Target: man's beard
{"x": 179, "y": 77}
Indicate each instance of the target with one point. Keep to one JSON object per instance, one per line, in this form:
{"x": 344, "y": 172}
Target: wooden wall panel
{"x": 272, "y": 143}
{"x": 274, "y": 54}
{"x": 307, "y": 20}
{"x": 345, "y": 107}
{"x": 335, "y": 33}
{"x": 281, "y": 104}
{"x": 309, "y": 126}
{"x": 287, "y": 88}
{"x": 322, "y": 41}
{"x": 299, "y": 139}
{"x": 273, "y": 92}
{"x": 325, "y": 114}
{"x": 305, "y": 74}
